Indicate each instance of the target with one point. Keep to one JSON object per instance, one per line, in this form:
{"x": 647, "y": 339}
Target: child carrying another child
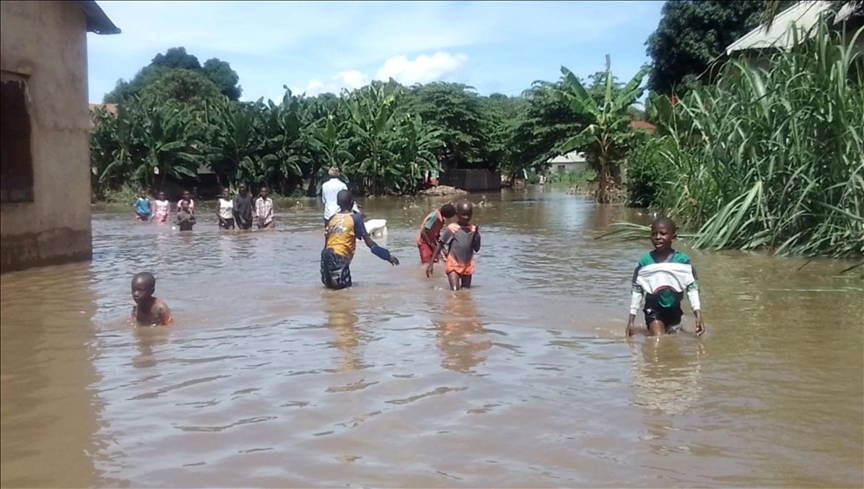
{"x": 187, "y": 197}
{"x": 660, "y": 279}
{"x": 430, "y": 231}
{"x": 185, "y": 218}
{"x": 340, "y": 242}
{"x": 460, "y": 241}
{"x": 148, "y": 310}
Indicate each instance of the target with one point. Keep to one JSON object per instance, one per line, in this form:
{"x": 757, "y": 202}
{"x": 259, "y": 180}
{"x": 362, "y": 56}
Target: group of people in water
{"x": 661, "y": 278}
{"x": 241, "y": 211}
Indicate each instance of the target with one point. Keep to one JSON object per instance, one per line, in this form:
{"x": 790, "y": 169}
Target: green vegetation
{"x": 765, "y": 158}
{"x": 176, "y": 117}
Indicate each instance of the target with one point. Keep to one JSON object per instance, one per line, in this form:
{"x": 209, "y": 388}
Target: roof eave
{"x": 97, "y": 21}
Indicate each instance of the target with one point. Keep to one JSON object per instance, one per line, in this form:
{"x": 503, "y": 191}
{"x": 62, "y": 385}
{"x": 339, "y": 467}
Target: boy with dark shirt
{"x": 340, "y": 242}
{"x": 244, "y": 207}
{"x": 148, "y": 310}
{"x": 185, "y": 218}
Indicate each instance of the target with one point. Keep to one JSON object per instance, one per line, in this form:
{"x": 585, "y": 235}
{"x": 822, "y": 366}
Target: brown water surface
{"x": 267, "y": 379}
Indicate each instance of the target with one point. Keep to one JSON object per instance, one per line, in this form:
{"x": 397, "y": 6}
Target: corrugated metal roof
{"x": 571, "y": 157}
{"x": 803, "y": 16}
{"x": 97, "y": 21}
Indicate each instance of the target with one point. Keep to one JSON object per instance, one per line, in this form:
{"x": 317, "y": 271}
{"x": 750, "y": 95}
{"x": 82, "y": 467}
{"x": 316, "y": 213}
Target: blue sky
{"x": 314, "y": 47}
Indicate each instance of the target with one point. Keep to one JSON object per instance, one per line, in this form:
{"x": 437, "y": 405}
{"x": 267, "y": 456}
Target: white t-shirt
{"x": 226, "y": 208}
{"x": 329, "y": 191}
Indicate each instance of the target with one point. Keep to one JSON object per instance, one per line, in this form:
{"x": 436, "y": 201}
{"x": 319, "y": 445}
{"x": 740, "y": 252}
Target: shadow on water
{"x": 268, "y": 380}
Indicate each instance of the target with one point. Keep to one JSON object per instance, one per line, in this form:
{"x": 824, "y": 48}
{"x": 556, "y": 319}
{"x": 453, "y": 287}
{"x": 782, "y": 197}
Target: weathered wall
{"x": 47, "y": 41}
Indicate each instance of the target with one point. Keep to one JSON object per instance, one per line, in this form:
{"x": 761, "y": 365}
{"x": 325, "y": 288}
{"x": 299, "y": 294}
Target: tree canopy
{"x": 691, "y": 34}
{"x": 184, "y": 66}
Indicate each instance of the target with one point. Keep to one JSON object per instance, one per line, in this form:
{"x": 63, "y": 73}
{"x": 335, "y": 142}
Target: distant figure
{"x": 340, "y": 243}
{"x": 660, "y": 279}
{"x": 161, "y": 208}
{"x": 430, "y": 231}
{"x": 244, "y": 207}
{"x": 264, "y": 209}
{"x": 185, "y": 218}
{"x": 460, "y": 241}
{"x": 148, "y": 310}
{"x": 225, "y": 210}
{"x": 188, "y": 198}
{"x": 142, "y": 207}
{"x": 330, "y": 192}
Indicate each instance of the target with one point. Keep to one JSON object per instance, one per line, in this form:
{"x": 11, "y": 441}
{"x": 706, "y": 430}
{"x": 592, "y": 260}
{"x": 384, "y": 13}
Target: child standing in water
{"x": 244, "y": 207}
{"x": 460, "y": 241}
{"x": 264, "y": 209}
{"x": 340, "y": 241}
{"x": 185, "y": 218}
{"x": 187, "y": 197}
{"x": 148, "y": 310}
{"x": 225, "y": 210}
{"x": 161, "y": 208}
{"x": 142, "y": 207}
{"x": 660, "y": 279}
{"x": 430, "y": 231}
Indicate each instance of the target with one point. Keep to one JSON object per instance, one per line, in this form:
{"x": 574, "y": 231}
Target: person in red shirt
{"x": 430, "y": 231}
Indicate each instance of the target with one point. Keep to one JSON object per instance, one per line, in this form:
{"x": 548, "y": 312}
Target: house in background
{"x": 573, "y": 161}
{"x": 801, "y": 17}
{"x": 44, "y": 146}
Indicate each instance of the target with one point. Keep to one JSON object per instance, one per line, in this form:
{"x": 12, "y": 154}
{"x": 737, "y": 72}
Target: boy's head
{"x": 345, "y": 200}
{"x": 663, "y": 231}
{"x": 448, "y": 210}
{"x": 333, "y": 172}
{"x": 243, "y": 189}
{"x": 186, "y": 195}
{"x": 143, "y": 286}
{"x": 184, "y": 205}
{"x": 264, "y": 192}
{"x": 142, "y": 194}
{"x": 464, "y": 212}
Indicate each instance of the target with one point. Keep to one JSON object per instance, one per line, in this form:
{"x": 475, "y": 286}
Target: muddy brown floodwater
{"x": 267, "y": 379}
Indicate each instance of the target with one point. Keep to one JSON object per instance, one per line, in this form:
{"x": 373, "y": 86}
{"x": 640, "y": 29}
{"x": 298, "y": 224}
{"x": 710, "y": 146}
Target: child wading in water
{"x": 148, "y": 310}
{"x": 187, "y": 197}
{"x": 185, "y": 219}
{"x": 225, "y": 210}
{"x": 460, "y": 241}
{"x": 162, "y": 208}
{"x": 340, "y": 242}
{"x": 430, "y": 231}
{"x": 660, "y": 279}
{"x": 264, "y": 209}
{"x": 244, "y": 207}
{"x": 142, "y": 207}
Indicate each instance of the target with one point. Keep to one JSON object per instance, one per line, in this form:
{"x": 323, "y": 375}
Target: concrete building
{"x": 45, "y": 164}
{"x": 573, "y": 161}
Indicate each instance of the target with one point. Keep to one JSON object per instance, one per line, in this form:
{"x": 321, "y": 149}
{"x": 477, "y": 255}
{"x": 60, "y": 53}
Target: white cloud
{"x": 423, "y": 69}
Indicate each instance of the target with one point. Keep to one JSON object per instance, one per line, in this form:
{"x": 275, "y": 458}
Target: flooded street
{"x": 266, "y": 379}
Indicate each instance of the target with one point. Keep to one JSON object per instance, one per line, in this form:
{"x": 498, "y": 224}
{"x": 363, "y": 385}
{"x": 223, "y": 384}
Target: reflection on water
{"x": 268, "y": 380}
{"x": 460, "y": 336}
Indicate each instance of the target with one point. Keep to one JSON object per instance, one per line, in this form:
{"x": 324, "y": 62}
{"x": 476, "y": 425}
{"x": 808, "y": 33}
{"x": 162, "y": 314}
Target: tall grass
{"x": 773, "y": 158}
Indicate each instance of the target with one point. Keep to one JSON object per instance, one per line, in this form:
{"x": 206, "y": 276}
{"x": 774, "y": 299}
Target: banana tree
{"x": 608, "y": 129}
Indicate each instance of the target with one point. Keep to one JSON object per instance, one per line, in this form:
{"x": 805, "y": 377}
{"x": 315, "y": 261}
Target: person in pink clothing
{"x": 187, "y": 196}
{"x": 161, "y": 208}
